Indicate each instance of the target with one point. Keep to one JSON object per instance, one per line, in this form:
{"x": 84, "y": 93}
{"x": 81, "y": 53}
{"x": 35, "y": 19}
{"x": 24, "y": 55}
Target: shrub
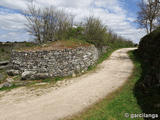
{"x": 95, "y": 31}
{"x": 75, "y": 32}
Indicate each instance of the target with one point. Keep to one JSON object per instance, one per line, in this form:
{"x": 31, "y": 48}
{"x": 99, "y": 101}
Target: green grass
{"x": 9, "y": 88}
{"x": 115, "y": 105}
{"x": 56, "y": 79}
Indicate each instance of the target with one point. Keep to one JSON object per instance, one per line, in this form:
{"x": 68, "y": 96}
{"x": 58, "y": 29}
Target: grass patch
{"x": 56, "y": 79}
{"x": 9, "y": 88}
{"x": 115, "y": 105}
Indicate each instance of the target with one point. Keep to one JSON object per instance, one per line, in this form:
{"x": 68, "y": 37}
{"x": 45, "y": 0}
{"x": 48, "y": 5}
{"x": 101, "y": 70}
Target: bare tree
{"x": 148, "y": 14}
{"x": 47, "y": 24}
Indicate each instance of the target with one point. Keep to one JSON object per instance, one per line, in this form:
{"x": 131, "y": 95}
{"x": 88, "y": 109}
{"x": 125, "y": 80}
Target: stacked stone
{"x": 53, "y": 63}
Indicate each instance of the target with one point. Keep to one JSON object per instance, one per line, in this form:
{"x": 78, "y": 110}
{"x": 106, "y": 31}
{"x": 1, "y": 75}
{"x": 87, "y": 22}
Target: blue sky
{"x": 118, "y": 15}
{"x": 131, "y": 7}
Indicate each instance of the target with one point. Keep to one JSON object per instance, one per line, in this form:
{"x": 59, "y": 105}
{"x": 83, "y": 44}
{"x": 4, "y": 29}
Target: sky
{"x": 118, "y": 15}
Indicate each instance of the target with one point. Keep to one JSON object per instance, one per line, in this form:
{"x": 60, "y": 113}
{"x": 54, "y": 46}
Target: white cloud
{"x": 15, "y": 4}
{"x": 109, "y": 11}
{"x": 12, "y": 21}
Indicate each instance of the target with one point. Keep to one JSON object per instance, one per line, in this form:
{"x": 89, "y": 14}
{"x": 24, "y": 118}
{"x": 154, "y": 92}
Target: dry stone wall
{"x": 53, "y": 63}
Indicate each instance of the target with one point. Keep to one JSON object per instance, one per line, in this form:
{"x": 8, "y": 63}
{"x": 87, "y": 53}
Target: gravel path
{"x": 68, "y": 99}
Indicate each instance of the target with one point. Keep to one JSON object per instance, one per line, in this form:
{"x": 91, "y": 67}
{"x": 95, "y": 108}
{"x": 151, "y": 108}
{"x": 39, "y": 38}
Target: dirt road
{"x": 68, "y": 99}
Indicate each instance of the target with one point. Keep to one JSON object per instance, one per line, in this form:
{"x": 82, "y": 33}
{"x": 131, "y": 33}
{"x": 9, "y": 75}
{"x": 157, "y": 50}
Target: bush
{"x": 95, "y": 31}
{"x": 75, "y": 32}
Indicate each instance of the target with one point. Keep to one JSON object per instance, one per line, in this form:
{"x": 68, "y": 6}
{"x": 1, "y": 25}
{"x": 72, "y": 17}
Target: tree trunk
{"x": 151, "y": 26}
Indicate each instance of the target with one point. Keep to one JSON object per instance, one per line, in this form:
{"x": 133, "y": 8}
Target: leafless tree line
{"x": 149, "y": 15}
{"x": 47, "y": 24}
